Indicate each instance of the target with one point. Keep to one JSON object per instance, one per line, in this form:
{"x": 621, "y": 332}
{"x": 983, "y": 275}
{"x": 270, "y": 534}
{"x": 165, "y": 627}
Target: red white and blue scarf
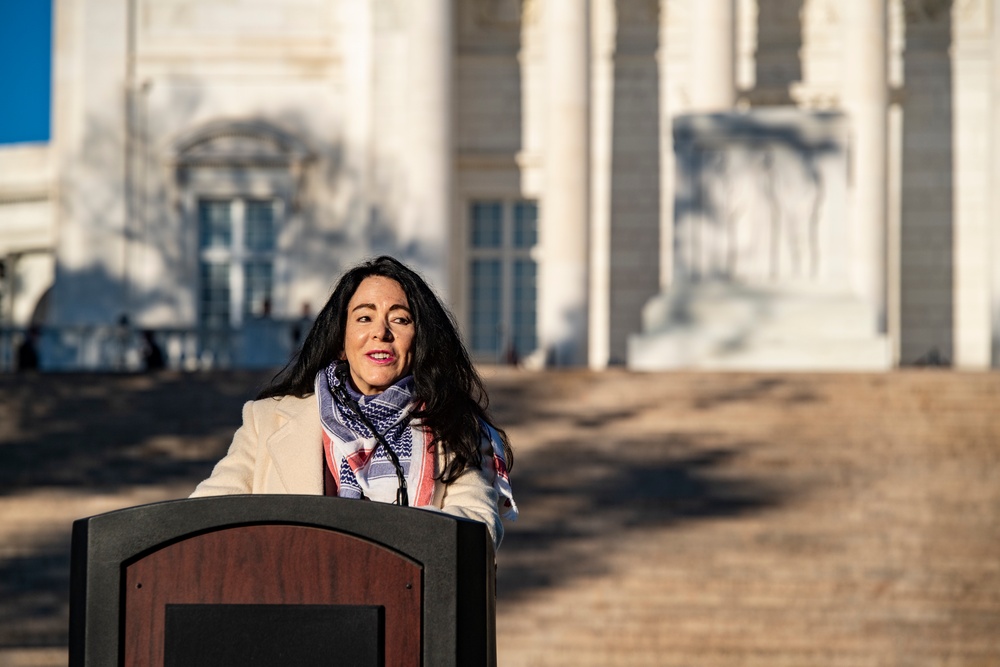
{"x": 362, "y": 469}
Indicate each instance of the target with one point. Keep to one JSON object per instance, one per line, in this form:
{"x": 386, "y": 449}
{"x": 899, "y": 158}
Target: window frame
{"x": 508, "y": 254}
{"x": 238, "y": 255}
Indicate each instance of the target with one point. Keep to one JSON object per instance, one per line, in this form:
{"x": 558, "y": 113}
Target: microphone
{"x": 340, "y": 391}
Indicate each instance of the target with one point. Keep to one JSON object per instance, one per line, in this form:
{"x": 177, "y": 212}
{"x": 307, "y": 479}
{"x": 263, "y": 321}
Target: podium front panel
{"x": 251, "y": 565}
{"x": 430, "y": 575}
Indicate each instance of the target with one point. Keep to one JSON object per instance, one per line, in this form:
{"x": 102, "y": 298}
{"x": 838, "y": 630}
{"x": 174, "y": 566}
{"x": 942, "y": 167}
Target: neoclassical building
{"x": 736, "y": 184}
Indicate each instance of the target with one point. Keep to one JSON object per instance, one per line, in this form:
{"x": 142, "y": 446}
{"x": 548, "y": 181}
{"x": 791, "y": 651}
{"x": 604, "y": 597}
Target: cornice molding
{"x": 24, "y": 196}
{"x": 238, "y": 142}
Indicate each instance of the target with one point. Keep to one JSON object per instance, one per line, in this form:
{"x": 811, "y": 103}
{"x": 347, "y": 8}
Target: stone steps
{"x": 668, "y": 519}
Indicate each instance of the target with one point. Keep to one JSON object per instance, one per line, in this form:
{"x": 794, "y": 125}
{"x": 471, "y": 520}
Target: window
{"x": 237, "y": 244}
{"x": 502, "y": 278}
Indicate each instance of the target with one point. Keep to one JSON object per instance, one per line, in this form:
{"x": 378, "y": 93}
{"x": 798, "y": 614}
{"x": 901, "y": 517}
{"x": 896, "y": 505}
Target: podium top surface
{"x": 128, "y": 532}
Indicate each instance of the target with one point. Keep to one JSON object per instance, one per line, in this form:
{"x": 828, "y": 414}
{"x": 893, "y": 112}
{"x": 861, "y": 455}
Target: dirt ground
{"x": 667, "y": 519}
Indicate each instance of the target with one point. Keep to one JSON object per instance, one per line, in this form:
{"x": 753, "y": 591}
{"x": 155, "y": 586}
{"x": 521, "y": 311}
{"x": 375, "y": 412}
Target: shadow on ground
{"x": 111, "y": 432}
{"x": 590, "y": 482}
{"x": 583, "y": 481}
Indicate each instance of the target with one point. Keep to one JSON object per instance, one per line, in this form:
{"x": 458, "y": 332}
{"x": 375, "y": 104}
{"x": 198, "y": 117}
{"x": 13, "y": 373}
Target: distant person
{"x": 300, "y": 327}
{"x": 381, "y": 403}
{"x": 27, "y": 351}
{"x": 511, "y": 357}
{"x": 152, "y": 354}
{"x": 123, "y": 338}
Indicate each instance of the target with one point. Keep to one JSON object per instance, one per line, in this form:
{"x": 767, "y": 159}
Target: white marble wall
{"x": 762, "y": 198}
{"x": 26, "y": 215}
{"x": 88, "y": 143}
{"x": 127, "y": 233}
{"x": 338, "y": 75}
{"x": 939, "y": 244}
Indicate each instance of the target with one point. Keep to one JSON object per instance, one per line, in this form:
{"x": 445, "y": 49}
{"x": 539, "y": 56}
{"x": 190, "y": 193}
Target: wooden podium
{"x": 293, "y": 581}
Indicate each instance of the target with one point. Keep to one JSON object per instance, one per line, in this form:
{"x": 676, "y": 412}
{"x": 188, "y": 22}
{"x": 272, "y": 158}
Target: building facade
{"x": 746, "y": 184}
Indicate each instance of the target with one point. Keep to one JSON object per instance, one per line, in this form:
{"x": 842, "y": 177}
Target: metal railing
{"x": 262, "y": 343}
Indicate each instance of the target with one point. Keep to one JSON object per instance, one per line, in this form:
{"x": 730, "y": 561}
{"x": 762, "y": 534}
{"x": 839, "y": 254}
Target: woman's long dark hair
{"x": 446, "y": 384}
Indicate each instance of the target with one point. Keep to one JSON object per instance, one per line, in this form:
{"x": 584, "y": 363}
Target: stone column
{"x": 563, "y": 235}
{"x": 972, "y": 71}
{"x": 357, "y": 25}
{"x": 713, "y": 61}
{"x": 667, "y": 111}
{"x": 425, "y": 230}
{"x": 994, "y": 203}
{"x": 866, "y": 98}
{"x": 603, "y": 30}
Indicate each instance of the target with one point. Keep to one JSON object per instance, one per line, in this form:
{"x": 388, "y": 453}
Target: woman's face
{"x": 378, "y": 336}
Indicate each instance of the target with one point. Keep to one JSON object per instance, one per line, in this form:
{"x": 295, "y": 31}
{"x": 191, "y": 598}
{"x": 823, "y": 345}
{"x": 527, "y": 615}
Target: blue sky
{"x": 25, "y": 66}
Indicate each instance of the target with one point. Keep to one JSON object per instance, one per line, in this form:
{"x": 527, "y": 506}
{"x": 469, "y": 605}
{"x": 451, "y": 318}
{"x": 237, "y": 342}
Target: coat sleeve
{"x": 235, "y": 472}
{"x": 473, "y": 496}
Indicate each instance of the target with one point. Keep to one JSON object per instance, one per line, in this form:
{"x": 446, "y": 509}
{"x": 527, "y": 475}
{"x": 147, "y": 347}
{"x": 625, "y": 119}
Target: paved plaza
{"x": 675, "y": 519}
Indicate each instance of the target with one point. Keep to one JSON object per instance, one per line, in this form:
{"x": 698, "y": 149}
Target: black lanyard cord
{"x": 402, "y": 497}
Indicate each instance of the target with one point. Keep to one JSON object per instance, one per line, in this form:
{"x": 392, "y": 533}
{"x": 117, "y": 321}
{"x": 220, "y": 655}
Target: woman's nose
{"x": 384, "y": 333}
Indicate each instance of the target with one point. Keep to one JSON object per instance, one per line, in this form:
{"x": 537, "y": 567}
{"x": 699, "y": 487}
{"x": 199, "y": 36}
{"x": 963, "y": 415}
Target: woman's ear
{"x": 343, "y": 356}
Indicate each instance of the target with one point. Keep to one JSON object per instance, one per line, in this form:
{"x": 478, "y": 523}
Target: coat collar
{"x": 296, "y": 446}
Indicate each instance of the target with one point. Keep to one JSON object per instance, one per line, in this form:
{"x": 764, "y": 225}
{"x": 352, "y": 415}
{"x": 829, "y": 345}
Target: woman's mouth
{"x": 381, "y": 357}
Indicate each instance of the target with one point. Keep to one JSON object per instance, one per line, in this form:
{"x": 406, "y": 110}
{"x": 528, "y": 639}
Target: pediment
{"x": 240, "y": 143}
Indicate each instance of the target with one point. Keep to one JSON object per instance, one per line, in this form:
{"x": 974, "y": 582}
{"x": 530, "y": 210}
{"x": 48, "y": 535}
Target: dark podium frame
{"x": 452, "y": 556}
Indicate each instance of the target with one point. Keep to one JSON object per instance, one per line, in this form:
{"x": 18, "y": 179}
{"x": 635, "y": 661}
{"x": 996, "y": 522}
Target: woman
{"x": 381, "y": 403}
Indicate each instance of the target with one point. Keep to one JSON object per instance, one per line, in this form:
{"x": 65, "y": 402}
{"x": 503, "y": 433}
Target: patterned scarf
{"x": 502, "y": 481}
{"x": 361, "y": 468}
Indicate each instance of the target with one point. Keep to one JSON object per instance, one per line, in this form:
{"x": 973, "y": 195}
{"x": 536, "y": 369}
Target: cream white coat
{"x": 279, "y": 449}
